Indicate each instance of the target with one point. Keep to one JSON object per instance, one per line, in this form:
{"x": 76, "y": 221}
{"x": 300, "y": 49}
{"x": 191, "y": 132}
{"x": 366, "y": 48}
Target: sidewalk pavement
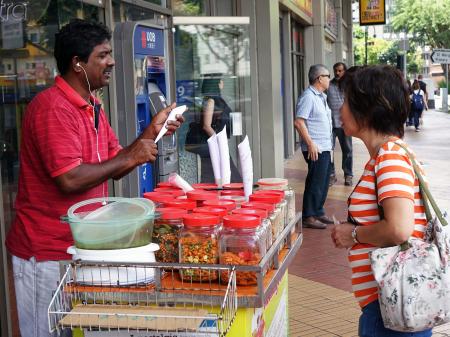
{"x": 320, "y": 298}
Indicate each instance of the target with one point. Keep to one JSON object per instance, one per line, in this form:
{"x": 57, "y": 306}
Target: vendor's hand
{"x": 341, "y": 234}
{"x": 141, "y": 151}
{"x": 313, "y": 151}
{"x": 158, "y": 121}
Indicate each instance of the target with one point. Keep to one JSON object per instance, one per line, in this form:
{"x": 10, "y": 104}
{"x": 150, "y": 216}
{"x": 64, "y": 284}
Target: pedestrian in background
{"x": 335, "y": 98}
{"x": 386, "y": 207}
{"x": 313, "y": 123}
{"x": 418, "y": 103}
{"x": 423, "y": 86}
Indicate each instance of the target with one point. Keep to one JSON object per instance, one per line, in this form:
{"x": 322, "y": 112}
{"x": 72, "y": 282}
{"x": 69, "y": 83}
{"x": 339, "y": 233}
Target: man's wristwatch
{"x": 354, "y": 235}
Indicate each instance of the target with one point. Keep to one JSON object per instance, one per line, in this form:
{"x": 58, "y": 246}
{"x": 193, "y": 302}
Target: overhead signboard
{"x": 372, "y": 12}
{"x": 440, "y": 56}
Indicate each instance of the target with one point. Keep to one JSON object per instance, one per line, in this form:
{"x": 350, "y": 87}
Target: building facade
{"x": 263, "y": 60}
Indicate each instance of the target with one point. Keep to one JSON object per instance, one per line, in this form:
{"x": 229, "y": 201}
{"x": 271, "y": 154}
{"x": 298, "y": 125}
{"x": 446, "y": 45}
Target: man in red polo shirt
{"x": 68, "y": 152}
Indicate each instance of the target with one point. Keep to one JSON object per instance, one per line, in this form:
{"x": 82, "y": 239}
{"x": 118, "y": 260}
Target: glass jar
{"x": 229, "y": 205}
{"x": 241, "y": 244}
{"x": 283, "y": 202}
{"x": 199, "y": 196}
{"x": 265, "y": 222}
{"x": 166, "y": 233}
{"x": 277, "y": 216}
{"x": 281, "y": 184}
{"x": 199, "y": 244}
{"x": 210, "y": 210}
{"x": 273, "y": 216}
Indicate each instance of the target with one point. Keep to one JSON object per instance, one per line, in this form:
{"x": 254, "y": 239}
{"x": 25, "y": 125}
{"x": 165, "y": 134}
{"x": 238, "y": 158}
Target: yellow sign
{"x": 372, "y": 12}
{"x": 304, "y": 5}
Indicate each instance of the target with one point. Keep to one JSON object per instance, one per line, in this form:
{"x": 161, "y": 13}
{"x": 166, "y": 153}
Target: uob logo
{"x": 148, "y": 39}
{"x": 14, "y": 11}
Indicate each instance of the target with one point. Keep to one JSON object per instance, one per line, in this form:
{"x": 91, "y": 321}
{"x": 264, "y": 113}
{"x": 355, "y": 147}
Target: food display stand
{"x": 172, "y": 307}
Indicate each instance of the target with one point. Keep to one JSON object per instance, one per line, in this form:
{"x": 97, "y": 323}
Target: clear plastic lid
{"x": 111, "y": 210}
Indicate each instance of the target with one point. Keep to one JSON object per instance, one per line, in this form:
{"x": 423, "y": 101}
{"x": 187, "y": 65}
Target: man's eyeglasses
{"x": 327, "y": 75}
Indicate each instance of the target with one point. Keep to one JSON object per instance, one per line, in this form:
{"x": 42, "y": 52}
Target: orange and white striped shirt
{"x": 395, "y": 179}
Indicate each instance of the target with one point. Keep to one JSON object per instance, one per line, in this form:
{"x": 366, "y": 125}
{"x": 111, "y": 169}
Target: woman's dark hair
{"x": 378, "y": 98}
{"x": 210, "y": 86}
{"x": 78, "y": 38}
{"x": 416, "y": 85}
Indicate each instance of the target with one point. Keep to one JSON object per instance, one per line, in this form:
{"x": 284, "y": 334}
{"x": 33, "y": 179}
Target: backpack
{"x": 417, "y": 101}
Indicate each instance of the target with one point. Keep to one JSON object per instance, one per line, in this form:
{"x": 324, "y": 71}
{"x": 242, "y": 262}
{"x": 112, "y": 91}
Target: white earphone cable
{"x": 90, "y": 103}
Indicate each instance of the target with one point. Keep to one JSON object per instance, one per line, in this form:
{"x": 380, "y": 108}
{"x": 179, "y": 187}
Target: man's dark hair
{"x": 337, "y": 64}
{"x": 78, "y": 38}
{"x": 378, "y": 98}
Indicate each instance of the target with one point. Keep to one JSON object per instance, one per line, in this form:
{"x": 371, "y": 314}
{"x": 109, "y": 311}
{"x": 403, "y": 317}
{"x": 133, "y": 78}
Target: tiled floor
{"x": 320, "y": 299}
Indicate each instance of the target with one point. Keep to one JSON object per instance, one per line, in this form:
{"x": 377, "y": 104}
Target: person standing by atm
{"x": 68, "y": 152}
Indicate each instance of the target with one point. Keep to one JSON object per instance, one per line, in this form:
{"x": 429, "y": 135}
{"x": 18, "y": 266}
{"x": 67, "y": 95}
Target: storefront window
{"x": 124, "y": 12}
{"x": 212, "y": 73}
{"x": 27, "y": 66}
{"x": 189, "y": 7}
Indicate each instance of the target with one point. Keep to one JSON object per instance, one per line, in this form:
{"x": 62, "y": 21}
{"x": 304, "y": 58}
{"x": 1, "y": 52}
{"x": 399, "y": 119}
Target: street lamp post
{"x": 366, "y": 33}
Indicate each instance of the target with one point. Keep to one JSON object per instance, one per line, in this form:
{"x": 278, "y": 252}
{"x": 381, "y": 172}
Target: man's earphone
{"x": 85, "y": 74}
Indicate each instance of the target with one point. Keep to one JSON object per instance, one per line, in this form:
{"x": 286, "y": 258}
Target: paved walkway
{"x": 320, "y": 299}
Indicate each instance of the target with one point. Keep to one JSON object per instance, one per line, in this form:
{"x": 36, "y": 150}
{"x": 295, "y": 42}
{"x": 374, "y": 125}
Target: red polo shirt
{"x": 58, "y": 134}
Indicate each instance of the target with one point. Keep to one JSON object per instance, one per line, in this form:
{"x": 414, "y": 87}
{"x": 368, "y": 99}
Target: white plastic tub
{"x": 115, "y": 275}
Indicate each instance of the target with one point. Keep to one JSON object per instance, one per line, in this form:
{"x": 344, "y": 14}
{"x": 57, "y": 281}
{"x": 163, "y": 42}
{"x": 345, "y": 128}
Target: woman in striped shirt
{"x": 375, "y": 109}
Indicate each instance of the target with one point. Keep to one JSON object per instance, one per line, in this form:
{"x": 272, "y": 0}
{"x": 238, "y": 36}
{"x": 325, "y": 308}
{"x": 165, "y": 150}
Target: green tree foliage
{"x": 427, "y": 20}
{"x": 378, "y": 50}
{"x": 187, "y": 7}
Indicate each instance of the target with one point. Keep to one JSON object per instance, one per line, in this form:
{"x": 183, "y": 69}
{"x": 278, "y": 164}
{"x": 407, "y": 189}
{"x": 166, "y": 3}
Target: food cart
{"x": 171, "y": 306}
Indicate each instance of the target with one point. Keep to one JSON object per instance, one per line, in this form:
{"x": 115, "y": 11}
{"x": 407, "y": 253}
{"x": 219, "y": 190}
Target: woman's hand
{"x": 341, "y": 234}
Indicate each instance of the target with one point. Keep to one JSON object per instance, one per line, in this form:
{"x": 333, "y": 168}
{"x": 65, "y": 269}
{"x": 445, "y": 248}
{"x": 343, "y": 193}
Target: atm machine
{"x": 144, "y": 86}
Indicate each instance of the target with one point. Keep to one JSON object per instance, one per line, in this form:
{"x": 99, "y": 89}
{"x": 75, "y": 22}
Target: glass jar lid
{"x": 259, "y": 205}
{"x": 169, "y": 190}
{"x": 201, "y": 195}
{"x": 275, "y": 182}
{"x": 227, "y": 204}
{"x": 266, "y": 198}
{"x": 171, "y": 213}
{"x": 219, "y": 211}
{"x": 262, "y": 213}
{"x": 158, "y": 197}
{"x": 200, "y": 220}
{"x": 241, "y": 221}
{"x": 182, "y": 204}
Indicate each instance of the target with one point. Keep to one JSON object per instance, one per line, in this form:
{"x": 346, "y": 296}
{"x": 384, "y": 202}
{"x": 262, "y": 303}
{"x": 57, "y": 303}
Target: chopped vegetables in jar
{"x": 243, "y": 258}
{"x": 198, "y": 244}
{"x": 198, "y": 250}
{"x": 166, "y": 236}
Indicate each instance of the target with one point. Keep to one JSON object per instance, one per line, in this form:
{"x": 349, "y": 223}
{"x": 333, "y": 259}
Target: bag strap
{"x": 426, "y": 194}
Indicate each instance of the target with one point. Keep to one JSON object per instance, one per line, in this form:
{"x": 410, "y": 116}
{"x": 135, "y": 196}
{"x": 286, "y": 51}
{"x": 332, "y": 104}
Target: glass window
{"x": 213, "y": 79}
{"x": 156, "y": 2}
{"x": 127, "y": 12}
{"x": 189, "y": 7}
